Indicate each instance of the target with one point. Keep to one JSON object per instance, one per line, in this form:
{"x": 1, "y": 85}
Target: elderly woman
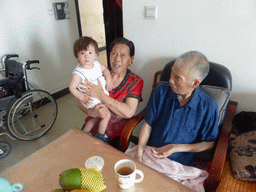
{"x": 124, "y": 98}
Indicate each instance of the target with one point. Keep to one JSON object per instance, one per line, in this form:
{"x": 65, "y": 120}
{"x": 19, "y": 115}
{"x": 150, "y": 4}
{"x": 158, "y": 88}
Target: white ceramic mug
{"x": 126, "y": 173}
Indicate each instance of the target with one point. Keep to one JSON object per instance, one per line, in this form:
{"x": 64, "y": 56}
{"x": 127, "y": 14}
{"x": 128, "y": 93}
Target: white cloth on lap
{"x": 189, "y": 176}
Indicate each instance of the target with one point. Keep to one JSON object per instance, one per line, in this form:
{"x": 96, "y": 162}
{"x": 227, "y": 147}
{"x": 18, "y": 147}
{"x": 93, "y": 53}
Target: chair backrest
{"x": 14, "y": 73}
{"x": 13, "y": 68}
{"x": 218, "y": 75}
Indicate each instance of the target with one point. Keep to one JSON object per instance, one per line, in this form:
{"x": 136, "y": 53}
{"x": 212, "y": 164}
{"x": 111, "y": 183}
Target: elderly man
{"x": 181, "y": 119}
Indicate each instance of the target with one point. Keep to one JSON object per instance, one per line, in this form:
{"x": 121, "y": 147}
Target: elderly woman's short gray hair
{"x": 197, "y": 62}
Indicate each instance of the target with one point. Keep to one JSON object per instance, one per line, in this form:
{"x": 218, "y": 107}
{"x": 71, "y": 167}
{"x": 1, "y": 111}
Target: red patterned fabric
{"x": 203, "y": 165}
{"x": 131, "y": 86}
{"x": 206, "y": 166}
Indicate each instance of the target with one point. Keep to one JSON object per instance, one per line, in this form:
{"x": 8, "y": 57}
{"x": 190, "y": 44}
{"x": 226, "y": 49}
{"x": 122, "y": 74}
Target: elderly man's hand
{"x": 164, "y": 151}
{"x": 138, "y": 158}
{"x": 169, "y": 149}
{"x": 139, "y": 153}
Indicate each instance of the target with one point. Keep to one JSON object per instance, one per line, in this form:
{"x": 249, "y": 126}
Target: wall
{"x": 91, "y": 15}
{"x": 26, "y": 28}
{"x": 224, "y": 31}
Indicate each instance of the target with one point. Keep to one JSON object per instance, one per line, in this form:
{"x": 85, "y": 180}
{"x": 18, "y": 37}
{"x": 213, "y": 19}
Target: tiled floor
{"x": 69, "y": 116}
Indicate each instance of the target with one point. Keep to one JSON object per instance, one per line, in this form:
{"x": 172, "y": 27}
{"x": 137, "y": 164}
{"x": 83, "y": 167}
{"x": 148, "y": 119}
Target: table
{"x": 40, "y": 171}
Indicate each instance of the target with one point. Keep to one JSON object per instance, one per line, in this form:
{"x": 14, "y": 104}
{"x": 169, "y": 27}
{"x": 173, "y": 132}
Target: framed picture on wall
{"x": 61, "y": 11}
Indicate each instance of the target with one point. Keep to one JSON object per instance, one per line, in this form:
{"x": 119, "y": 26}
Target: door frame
{"x": 78, "y": 18}
{"x": 113, "y": 22}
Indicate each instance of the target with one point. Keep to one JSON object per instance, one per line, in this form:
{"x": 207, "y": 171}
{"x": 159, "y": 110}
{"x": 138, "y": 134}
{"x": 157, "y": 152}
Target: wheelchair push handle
{"x": 29, "y": 62}
{"x": 6, "y": 57}
{"x": 11, "y": 55}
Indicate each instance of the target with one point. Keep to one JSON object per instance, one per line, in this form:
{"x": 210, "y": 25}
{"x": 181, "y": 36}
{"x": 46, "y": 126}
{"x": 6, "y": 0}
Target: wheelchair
{"x": 25, "y": 113}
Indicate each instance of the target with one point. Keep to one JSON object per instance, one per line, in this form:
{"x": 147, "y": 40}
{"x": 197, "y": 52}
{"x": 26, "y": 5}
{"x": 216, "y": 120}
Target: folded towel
{"x": 189, "y": 176}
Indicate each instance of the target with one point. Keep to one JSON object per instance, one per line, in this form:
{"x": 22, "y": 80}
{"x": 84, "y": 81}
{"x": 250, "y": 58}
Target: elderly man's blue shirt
{"x": 192, "y": 123}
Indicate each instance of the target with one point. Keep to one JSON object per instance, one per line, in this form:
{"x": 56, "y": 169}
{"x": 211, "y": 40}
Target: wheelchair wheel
{"x": 32, "y": 115}
{"x": 5, "y": 149}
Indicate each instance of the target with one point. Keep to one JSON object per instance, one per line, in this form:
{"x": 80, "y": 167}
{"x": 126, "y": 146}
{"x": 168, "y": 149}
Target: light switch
{"x": 50, "y": 12}
{"x": 151, "y": 12}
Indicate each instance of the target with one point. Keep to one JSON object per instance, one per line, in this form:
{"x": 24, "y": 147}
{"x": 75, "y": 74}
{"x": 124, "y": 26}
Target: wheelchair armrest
{"x": 4, "y": 82}
{"x": 221, "y": 149}
{"x": 128, "y": 129}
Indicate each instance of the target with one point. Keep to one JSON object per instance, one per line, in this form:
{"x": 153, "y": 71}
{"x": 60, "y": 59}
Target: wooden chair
{"x": 218, "y": 76}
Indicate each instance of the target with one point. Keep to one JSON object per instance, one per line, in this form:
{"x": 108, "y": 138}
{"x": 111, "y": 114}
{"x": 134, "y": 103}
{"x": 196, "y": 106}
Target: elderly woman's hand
{"x": 102, "y": 110}
{"x": 92, "y": 90}
{"x": 86, "y": 100}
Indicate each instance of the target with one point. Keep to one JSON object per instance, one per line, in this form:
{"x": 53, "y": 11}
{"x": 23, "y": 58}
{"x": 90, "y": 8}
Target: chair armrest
{"x": 155, "y": 78}
{"x": 128, "y": 129}
{"x": 221, "y": 149}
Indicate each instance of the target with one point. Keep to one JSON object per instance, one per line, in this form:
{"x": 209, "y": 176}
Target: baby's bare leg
{"x": 90, "y": 124}
{"x": 103, "y": 124}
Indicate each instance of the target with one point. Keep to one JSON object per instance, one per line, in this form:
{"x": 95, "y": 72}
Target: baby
{"x": 86, "y": 52}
